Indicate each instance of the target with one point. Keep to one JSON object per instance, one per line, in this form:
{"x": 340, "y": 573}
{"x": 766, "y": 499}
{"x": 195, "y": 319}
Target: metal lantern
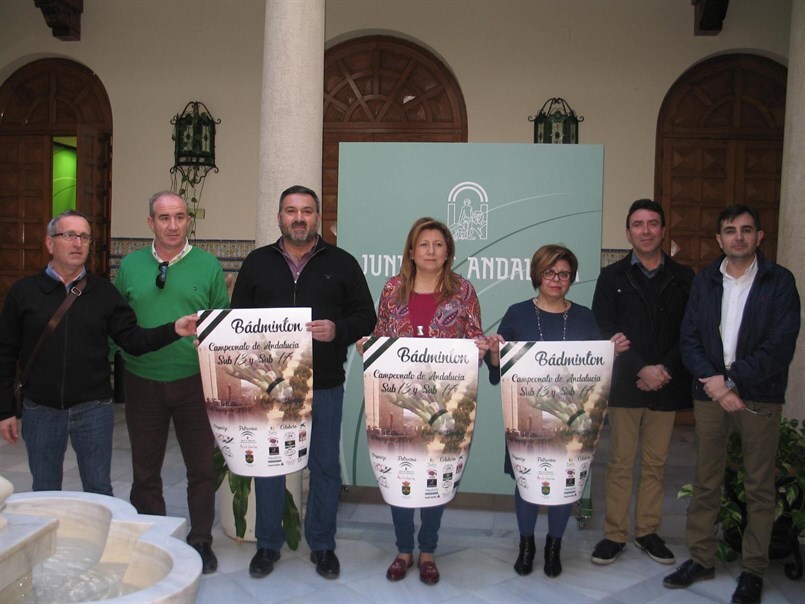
{"x": 194, "y": 138}
{"x": 556, "y": 123}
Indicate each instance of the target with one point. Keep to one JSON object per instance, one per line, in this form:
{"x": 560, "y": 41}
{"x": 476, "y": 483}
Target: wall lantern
{"x": 556, "y": 123}
{"x": 194, "y": 156}
{"x": 194, "y": 138}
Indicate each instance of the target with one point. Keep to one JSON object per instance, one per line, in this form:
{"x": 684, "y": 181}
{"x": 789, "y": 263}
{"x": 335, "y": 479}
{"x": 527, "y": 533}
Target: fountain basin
{"x": 142, "y": 558}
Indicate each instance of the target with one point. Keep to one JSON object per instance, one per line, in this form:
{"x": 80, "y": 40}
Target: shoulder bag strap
{"x": 72, "y": 296}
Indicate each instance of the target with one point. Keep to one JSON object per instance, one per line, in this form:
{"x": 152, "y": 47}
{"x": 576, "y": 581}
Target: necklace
{"x": 539, "y": 323}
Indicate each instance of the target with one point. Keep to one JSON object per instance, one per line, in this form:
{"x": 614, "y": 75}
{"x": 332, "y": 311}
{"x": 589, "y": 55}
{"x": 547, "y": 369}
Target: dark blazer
{"x": 767, "y": 336}
{"x": 621, "y": 303}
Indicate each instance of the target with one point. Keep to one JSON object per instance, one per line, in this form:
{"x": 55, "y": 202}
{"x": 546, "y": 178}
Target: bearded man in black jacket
{"x": 301, "y": 269}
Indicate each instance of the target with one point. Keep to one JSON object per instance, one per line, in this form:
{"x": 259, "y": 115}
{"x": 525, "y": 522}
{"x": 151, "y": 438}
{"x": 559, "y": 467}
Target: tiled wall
{"x": 232, "y": 252}
{"x": 228, "y": 251}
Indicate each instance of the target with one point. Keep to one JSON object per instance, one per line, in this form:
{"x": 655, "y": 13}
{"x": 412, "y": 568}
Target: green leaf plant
{"x": 241, "y": 487}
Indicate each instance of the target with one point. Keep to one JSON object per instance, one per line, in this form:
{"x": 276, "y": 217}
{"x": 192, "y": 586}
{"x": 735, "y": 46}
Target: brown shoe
{"x": 428, "y": 573}
{"x": 398, "y": 569}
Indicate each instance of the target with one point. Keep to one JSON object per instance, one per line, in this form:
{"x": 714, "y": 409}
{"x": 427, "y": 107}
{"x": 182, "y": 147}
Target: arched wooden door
{"x": 384, "y": 89}
{"x": 43, "y": 99}
{"x": 719, "y": 142}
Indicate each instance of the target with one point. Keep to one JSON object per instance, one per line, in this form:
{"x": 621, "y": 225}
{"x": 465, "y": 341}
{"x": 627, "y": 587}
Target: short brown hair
{"x": 548, "y": 255}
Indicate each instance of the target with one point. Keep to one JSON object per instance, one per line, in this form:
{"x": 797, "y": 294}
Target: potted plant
{"x": 789, "y": 516}
{"x": 241, "y": 487}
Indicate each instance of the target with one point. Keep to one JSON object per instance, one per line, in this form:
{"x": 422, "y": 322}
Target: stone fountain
{"x": 81, "y": 547}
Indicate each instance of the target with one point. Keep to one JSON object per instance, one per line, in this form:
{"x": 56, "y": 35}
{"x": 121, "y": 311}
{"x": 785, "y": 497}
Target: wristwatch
{"x": 730, "y": 385}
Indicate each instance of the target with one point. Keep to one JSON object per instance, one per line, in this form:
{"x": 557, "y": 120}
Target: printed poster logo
{"x": 468, "y": 212}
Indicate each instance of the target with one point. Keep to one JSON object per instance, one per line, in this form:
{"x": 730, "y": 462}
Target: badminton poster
{"x": 555, "y": 397}
{"x": 256, "y": 370}
{"x": 421, "y": 398}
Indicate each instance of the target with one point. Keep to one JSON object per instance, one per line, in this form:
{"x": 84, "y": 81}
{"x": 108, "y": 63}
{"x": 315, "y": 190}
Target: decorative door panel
{"x": 25, "y": 168}
{"x": 719, "y": 142}
{"x": 380, "y": 88}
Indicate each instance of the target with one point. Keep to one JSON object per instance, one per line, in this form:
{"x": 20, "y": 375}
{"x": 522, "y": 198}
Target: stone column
{"x": 291, "y": 106}
{"x": 791, "y": 233}
{"x": 291, "y": 120}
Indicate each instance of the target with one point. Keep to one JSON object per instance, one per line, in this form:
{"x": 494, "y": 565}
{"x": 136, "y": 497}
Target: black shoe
{"x": 655, "y": 548}
{"x": 553, "y": 565}
{"x": 525, "y": 559}
{"x": 748, "y": 590}
{"x": 326, "y": 562}
{"x": 209, "y": 563}
{"x": 687, "y": 574}
{"x": 263, "y": 562}
{"x": 606, "y": 551}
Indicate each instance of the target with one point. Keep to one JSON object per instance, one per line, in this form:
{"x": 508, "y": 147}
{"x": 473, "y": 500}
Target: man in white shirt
{"x": 738, "y": 338}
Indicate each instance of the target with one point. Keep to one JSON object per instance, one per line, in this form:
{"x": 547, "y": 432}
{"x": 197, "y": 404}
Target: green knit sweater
{"x": 194, "y": 283}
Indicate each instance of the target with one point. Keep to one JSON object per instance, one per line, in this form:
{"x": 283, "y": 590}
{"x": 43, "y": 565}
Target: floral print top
{"x": 456, "y": 317}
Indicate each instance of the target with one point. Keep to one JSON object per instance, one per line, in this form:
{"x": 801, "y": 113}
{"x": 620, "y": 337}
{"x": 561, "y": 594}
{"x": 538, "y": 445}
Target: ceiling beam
{"x": 708, "y": 16}
{"x": 63, "y": 17}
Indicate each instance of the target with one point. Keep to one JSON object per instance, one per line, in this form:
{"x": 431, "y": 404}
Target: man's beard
{"x": 289, "y": 235}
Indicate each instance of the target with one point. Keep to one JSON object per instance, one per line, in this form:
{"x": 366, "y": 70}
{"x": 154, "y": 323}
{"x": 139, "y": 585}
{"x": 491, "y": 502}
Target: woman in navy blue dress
{"x": 548, "y": 317}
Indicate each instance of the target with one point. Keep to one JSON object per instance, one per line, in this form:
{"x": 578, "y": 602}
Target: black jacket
{"x": 332, "y": 284}
{"x": 73, "y": 364}
{"x": 767, "y": 336}
{"x": 652, "y": 324}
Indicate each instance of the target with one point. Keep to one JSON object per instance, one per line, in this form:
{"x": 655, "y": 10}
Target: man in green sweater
{"x": 171, "y": 278}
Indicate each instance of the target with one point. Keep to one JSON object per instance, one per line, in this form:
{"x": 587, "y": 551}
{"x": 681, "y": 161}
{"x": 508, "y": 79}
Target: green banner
{"x": 501, "y": 202}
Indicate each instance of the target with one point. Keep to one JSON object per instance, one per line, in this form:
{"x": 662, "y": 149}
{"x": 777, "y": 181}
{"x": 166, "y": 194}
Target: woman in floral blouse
{"x": 426, "y": 300}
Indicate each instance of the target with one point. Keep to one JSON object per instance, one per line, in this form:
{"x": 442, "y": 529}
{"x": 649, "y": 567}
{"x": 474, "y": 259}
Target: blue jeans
{"x": 89, "y": 426}
{"x": 325, "y": 481}
{"x": 428, "y": 531}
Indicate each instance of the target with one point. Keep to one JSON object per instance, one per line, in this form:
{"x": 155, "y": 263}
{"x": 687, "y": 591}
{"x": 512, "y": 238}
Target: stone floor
{"x": 477, "y": 547}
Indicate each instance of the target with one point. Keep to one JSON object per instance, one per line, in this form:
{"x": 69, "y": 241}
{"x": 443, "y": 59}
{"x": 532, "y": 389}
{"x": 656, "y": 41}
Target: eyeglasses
{"x": 162, "y": 275}
{"x": 758, "y": 412}
{"x": 70, "y": 237}
{"x": 551, "y": 274}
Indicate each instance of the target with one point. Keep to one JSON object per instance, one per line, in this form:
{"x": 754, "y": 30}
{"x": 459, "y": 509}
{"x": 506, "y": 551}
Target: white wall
{"x": 612, "y": 60}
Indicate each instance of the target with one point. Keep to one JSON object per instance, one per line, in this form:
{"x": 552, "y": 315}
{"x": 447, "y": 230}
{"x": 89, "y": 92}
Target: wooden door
{"x": 25, "y": 180}
{"x": 384, "y": 89}
{"x": 719, "y": 142}
{"x": 43, "y": 99}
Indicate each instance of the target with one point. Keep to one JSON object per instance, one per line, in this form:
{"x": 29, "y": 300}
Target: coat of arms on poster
{"x": 421, "y": 397}
{"x": 555, "y": 397}
{"x": 257, "y": 374}
{"x": 468, "y": 212}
